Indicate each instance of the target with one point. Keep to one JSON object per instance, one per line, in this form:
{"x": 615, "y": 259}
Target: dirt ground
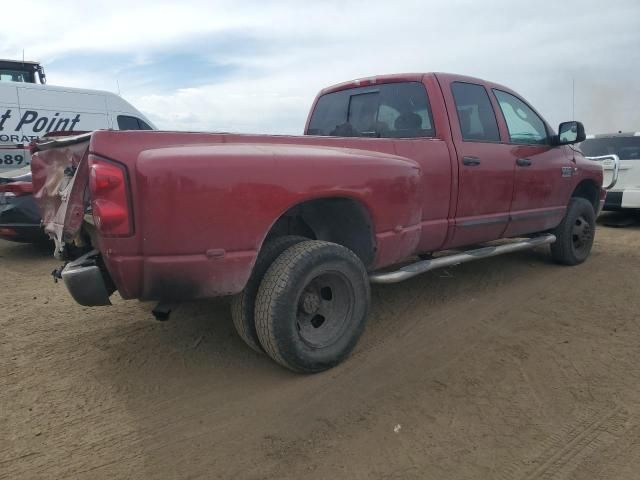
{"x": 506, "y": 368}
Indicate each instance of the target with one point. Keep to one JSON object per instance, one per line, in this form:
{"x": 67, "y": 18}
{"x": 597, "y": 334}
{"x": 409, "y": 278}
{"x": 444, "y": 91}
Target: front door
{"x": 542, "y": 171}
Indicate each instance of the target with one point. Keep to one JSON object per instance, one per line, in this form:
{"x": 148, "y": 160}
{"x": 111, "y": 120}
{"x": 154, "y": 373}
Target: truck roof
{"x": 22, "y": 62}
{"x": 406, "y": 77}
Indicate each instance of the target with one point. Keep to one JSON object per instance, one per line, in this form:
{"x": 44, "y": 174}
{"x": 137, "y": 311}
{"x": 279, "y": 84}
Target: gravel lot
{"x": 505, "y": 368}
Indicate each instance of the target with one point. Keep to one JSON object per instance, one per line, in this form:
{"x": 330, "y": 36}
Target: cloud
{"x": 256, "y": 66}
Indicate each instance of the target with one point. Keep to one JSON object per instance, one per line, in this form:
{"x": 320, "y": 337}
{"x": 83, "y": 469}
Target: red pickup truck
{"x": 396, "y": 175}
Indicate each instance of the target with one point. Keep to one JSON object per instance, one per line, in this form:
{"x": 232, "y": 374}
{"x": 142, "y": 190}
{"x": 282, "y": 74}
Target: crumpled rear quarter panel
{"x": 58, "y": 192}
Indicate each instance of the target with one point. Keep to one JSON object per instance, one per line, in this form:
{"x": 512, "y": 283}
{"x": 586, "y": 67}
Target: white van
{"x": 29, "y": 111}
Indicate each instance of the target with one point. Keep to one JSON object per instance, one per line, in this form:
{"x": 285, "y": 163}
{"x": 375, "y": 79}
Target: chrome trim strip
{"x": 483, "y": 221}
{"x": 530, "y": 215}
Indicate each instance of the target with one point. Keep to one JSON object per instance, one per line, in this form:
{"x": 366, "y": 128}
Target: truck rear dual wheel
{"x": 575, "y": 235}
{"x": 243, "y": 304}
{"x": 312, "y": 306}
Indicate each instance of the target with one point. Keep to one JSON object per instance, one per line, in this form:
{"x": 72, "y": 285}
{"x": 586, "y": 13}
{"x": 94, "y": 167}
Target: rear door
{"x": 486, "y": 170}
{"x": 542, "y": 171}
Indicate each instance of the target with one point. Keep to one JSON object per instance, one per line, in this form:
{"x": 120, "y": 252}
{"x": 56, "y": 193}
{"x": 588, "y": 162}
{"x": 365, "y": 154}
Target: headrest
{"x": 408, "y": 121}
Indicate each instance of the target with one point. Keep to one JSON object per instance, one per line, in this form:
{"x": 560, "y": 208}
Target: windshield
{"x": 626, "y": 148}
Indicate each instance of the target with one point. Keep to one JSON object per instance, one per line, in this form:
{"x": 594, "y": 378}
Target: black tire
{"x": 575, "y": 234}
{"x": 312, "y": 306}
{"x": 243, "y": 304}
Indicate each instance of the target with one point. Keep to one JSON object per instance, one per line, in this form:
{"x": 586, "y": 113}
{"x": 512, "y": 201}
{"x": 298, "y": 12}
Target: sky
{"x": 256, "y": 66}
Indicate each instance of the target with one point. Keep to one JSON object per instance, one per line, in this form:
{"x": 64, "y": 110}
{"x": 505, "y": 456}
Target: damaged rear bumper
{"x": 87, "y": 281}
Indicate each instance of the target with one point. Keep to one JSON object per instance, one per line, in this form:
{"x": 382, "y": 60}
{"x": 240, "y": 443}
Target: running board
{"x": 427, "y": 265}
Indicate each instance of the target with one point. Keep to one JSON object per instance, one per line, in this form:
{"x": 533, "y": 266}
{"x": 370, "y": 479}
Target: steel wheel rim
{"x": 324, "y": 308}
{"x": 581, "y": 234}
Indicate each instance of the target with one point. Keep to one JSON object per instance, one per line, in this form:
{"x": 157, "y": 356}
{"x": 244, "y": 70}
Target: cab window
{"x": 392, "y": 110}
{"x": 525, "y": 126}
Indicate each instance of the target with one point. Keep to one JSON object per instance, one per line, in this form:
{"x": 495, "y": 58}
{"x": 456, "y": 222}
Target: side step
{"x": 427, "y": 265}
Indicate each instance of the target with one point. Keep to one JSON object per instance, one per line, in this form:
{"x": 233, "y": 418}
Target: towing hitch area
{"x": 423, "y": 266}
{"x": 162, "y": 311}
{"x": 57, "y": 273}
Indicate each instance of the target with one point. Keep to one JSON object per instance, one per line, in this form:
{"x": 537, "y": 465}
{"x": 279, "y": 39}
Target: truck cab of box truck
{"x": 22, "y": 71}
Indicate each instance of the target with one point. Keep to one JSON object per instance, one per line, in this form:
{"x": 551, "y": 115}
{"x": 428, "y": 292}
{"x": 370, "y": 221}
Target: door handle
{"x": 471, "y": 161}
{"x": 523, "y": 162}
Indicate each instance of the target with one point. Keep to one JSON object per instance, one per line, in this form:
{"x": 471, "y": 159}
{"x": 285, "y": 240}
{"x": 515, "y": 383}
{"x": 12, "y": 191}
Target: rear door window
{"x": 475, "y": 114}
{"x": 392, "y": 110}
{"x": 524, "y": 125}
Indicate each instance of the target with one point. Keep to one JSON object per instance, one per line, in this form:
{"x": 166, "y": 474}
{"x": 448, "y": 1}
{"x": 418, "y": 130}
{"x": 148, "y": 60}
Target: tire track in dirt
{"x": 563, "y": 451}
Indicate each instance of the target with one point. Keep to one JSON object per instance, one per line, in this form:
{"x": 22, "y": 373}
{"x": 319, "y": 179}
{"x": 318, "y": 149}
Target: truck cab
{"x": 22, "y": 71}
{"x": 509, "y": 173}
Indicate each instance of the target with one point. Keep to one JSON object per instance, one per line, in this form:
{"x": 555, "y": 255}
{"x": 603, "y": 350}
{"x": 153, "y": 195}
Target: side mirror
{"x": 570, "y": 132}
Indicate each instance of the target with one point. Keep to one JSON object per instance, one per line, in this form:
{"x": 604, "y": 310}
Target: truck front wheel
{"x": 312, "y": 306}
{"x": 574, "y": 236}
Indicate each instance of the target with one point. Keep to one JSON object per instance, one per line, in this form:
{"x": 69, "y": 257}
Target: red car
{"x": 295, "y": 227}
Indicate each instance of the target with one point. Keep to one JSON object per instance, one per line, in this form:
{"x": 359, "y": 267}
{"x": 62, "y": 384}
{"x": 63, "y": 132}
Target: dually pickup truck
{"x": 395, "y": 176}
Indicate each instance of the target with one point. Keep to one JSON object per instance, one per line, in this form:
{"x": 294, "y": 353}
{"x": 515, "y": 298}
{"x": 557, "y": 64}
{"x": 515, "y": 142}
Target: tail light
{"x": 8, "y": 233}
{"x": 110, "y": 197}
{"x": 17, "y": 188}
